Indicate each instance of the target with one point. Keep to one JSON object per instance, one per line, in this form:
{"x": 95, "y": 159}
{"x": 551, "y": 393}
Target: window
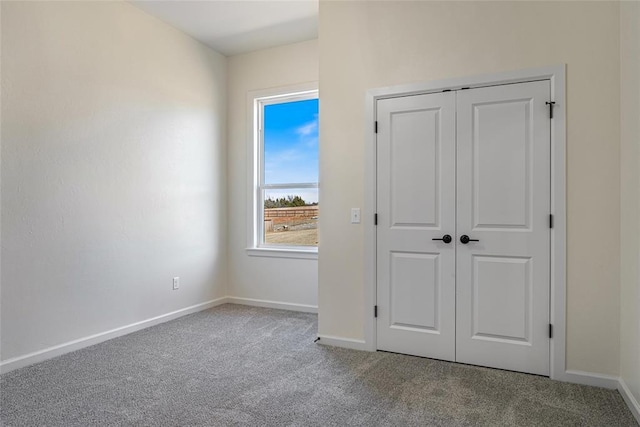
{"x": 285, "y": 182}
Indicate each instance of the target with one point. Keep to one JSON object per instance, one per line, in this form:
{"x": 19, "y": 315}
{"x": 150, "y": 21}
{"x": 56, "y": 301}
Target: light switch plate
{"x": 355, "y": 215}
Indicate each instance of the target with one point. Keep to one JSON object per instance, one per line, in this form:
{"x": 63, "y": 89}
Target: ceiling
{"x": 237, "y": 26}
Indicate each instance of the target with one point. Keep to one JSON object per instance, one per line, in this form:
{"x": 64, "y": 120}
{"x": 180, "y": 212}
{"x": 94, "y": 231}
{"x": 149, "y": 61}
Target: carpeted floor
{"x": 236, "y": 365}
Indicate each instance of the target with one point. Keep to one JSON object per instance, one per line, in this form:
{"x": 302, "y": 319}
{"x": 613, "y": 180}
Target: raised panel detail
{"x": 502, "y": 157}
{"x": 502, "y": 298}
{"x": 415, "y": 183}
{"x": 415, "y": 282}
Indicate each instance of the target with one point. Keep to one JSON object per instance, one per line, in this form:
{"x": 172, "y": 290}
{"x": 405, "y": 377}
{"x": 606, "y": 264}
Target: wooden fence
{"x": 284, "y": 215}
{"x": 297, "y": 212}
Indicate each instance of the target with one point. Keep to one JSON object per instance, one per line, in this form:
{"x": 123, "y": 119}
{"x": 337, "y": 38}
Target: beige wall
{"x": 113, "y": 171}
{"x": 292, "y": 281}
{"x": 366, "y": 45}
{"x": 630, "y": 195}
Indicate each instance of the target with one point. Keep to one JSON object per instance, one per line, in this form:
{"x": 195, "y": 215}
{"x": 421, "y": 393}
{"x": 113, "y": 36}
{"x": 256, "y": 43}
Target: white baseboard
{"x": 343, "y": 342}
{"x": 629, "y": 399}
{"x": 273, "y": 304}
{"x": 58, "y": 350}
{"x": 589, "y": 378}
{"x": 578, "y": 377}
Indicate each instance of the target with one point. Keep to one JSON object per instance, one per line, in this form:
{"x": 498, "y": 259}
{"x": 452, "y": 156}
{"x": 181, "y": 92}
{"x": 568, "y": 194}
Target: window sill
{"x": 284, "y": 253}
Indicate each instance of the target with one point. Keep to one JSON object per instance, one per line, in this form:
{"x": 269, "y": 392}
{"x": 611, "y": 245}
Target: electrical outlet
{"x": 176, "y": 283}
{"x": 355, "y": 215}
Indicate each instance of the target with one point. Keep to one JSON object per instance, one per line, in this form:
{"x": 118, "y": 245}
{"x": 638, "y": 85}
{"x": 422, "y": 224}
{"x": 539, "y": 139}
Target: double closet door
{"x": 463, "y": 235}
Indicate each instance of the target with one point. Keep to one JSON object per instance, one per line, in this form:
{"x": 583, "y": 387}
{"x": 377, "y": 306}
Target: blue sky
{"x": 291, "y": 145}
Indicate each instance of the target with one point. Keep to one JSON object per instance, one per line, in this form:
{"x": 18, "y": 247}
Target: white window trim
{"x": 254, "y": 159}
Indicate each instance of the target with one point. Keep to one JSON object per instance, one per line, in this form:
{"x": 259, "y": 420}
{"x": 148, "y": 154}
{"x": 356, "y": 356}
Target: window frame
{"x": 256, "y": 101}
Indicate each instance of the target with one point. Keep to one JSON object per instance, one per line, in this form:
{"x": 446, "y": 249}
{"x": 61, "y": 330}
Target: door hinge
{"x": 550, "y": 104}
{"x": 375, "y": 219}
{"x": 550, "y": 220}
{"x": 550, "y": 330}
{"x": 375, "y": 127}
{"x": 375, "y": 311}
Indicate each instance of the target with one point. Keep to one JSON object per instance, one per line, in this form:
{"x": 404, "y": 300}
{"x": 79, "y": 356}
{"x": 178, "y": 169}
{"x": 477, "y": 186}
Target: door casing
{"x": 556, "y": 76}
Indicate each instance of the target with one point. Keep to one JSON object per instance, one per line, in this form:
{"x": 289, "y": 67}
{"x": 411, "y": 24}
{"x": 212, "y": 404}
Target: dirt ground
{"x": 293, "y": 237}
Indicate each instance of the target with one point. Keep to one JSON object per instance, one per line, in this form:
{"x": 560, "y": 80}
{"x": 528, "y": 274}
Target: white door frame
{"x": 556, "y": 75}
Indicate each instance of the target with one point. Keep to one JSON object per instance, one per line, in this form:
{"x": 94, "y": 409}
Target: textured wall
{"x": 630, "y": 194}
{"x": 113, "y": 171}
{"x": 366, "y": 45}
{"x": 293, "y": 281}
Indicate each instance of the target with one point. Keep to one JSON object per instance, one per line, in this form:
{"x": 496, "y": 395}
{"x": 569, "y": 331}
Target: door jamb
{"x": 557, "y": 77}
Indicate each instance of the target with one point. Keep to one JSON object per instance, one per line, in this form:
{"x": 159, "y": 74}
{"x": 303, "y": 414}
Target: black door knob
{"x": 464, "y": 239}
{"x": 446, "y": 238}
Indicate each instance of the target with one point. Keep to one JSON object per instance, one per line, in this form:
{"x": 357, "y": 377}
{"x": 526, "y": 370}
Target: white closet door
{"x": 416, "y": 204}
{"x": 503, "y": 201}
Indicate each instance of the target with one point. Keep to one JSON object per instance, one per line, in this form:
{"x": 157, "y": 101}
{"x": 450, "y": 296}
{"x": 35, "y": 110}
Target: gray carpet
{"x": 235, "y": 365}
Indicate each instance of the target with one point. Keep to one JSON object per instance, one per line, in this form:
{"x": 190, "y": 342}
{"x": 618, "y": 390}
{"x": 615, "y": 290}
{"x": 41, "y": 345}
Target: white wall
{"x": 366, "y": 45}
{"x": 630, "y": 196}
{"x": 290, "y": 281}
{"x": 113, "y": 173}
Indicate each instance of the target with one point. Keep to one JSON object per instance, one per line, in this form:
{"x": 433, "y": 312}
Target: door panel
{"x": 416, "y": 203}
{"x": 413, "y": 302}
{"x": 501, "y": 147}
{"x": 503, "y": 200}
{"x": 495, "y": 280}
{"x": 414, "y": 160}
